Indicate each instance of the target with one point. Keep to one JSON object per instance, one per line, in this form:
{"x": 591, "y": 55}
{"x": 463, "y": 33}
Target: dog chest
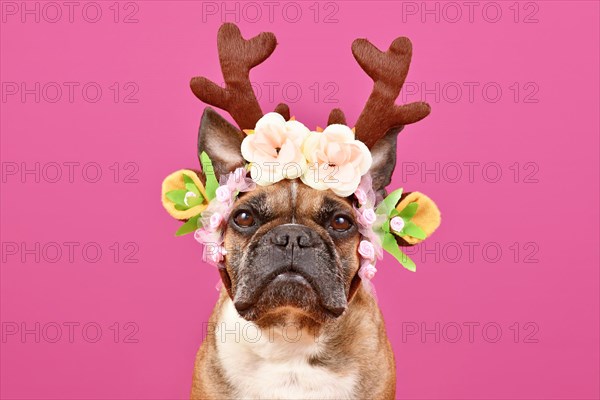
{"x": 275, "y": 363}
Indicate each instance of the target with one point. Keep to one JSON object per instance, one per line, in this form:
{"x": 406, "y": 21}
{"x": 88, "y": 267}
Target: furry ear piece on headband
{"x": 427, "y": 216}
{"x": 175, "y": 187}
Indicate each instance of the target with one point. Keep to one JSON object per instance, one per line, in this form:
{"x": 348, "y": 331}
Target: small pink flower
{"x": 366, "y": 250}
{"x": 367, "y": 271}
{"x": 397, "y": 224}
{"x": 223, "y": 194}
{"x": 207, "y": 237}
{"x": 213, "y": 253}
{"x": 369, "y": 216}
{"x": 215, "y": 221}
{"x": 200, "y": 235}
{"x": 361, "y": 196}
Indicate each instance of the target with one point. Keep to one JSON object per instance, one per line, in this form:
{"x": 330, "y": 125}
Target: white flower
{"x": 397, "y": 224}
{"x": 274, "y": 149}
{"x": 336, "y": 160}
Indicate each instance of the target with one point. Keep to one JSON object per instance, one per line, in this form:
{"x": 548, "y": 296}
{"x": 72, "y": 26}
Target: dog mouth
{"x": 291, "y": 277}
{"x": 286, "y": 288}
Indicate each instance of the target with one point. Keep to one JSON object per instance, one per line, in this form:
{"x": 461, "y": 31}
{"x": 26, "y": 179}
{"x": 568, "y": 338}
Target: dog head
{"x": 292, "y": 249}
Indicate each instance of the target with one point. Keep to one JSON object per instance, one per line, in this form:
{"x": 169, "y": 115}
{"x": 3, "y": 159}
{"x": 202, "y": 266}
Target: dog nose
{"x": 290, "y": 235}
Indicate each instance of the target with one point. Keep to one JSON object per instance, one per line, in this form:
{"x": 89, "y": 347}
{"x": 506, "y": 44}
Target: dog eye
{"x": 341, "y": 223}
{"x": 243, "y": 219}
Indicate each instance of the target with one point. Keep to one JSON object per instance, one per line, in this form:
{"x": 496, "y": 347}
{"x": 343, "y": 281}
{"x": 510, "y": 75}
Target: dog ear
{"x": 221, "y": 141}
{"x": 384, "y": 160}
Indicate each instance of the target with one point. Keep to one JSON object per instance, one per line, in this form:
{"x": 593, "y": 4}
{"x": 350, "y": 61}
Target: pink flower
{"x": 366, "y": 186}
{"x": 361, "y": 196}
{"x": 223, "y": 194}
{"x": 215, "y": 221}
{"x": 336, "y": 160}
{"x": 205, "y": 236}
{"x": 366, "y": 250}
{"x": 369, "y": 216}
{"x": 367, "y": 271}
{"x": 397, "y": 224}
{"x": 213, "y": 253}
{"x": 237, "y": 181}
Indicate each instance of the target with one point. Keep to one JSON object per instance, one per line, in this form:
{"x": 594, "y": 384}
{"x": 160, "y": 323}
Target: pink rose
{"x": 215, "y": 221}
{"x": 366, "y": 250}
{"x": 213, "y": 253}
{"x": 205, "y": 236}
{"x": 223, "y": 194}
{"x": 369, "y": 216}
{"x": 201, "y": 235}
{"x": 367, "y": 271}
{"x": 361, "y": 196}
{"x": 397, "y": 224}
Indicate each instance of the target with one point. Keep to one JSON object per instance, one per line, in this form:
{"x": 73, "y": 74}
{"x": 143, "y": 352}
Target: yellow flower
{"x": 174, "y": 182}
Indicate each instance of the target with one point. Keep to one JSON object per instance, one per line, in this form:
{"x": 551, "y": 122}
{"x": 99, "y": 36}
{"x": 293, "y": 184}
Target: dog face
{"x": 291, "y": 248}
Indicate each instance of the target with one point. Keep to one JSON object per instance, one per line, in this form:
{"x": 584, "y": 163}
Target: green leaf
{"x": 411, "y": 229}
{"x": 386, "y": 226}
{"x": 394, "y": 213}
{"x": 190, "y": 226}
{"x": 190, "y": 185}
{"x": 177, "y": 196}
{"x": 211, "y": 181}
{"x": 194, "y": 201}
{"x": 389, "y": 203}
{"x": 179, "y": 207}
{"x": 409, "y": 211}
{"x": 391, "y": 246}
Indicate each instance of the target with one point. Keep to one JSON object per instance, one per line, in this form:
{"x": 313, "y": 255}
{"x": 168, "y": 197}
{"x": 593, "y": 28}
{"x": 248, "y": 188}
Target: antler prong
{"x": 388, "y": 71}
{"x": 237, "y": 56}
{"x": 283, "y": 110}
{"x": 336, "y": 116}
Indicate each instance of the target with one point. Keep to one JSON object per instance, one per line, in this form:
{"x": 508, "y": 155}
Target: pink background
{"x": 169, "y": 292}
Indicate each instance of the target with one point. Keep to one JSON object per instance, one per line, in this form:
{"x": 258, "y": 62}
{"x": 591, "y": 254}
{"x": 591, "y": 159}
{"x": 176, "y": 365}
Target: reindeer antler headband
{"x": 275, "y": 146}
{"x": 387, "y": 69}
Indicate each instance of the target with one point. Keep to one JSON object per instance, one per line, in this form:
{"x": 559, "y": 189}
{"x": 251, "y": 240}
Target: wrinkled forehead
{"x": 294, "y": 200}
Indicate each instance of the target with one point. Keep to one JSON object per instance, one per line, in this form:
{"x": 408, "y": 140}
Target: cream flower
{"x": 335, "y": 160}
{"x": 274, "y": 149}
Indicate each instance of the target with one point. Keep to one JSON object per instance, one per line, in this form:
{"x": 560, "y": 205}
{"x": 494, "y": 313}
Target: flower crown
{"x": 331, "y": 159}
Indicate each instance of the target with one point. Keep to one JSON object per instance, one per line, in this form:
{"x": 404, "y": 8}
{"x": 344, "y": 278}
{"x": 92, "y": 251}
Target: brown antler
{"x": 237, "y": 56}
{"x": 336, "y": 116}
{"x": 283, "y": 110}
{"x": 388, "y": 71}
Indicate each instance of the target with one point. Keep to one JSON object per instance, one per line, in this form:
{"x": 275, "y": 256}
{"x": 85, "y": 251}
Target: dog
{"x": 321, "y": 336}
{"x": 294, "y": 318}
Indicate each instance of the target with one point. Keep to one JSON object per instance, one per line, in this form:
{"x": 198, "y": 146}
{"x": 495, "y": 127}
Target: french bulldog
{"x": 294, "y": 320}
